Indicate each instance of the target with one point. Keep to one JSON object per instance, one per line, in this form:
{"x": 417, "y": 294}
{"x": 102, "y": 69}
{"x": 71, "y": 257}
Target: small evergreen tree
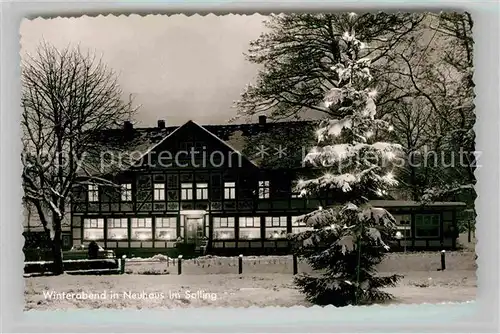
{"x": 349, "y": 239}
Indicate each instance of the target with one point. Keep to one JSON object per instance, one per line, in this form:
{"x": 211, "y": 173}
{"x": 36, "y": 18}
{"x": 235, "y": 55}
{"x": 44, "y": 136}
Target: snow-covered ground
{"x": 266, "y": 281}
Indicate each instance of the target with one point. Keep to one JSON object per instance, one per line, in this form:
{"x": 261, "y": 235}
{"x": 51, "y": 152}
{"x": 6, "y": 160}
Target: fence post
{"x": 122, "y": 264}
{"x": 295, "y": 265}
{"x": 443, "y": 260}
{"x": 240, "y": 264}
{"x": 179, "y": 265}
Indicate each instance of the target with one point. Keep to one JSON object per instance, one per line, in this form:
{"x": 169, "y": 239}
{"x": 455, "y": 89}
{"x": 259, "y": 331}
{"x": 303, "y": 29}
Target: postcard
{"x": 292, "y": 159}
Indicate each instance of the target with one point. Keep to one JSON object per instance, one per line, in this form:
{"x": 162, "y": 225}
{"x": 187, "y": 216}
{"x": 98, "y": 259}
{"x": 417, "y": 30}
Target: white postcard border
{"x": 472, "y": 317}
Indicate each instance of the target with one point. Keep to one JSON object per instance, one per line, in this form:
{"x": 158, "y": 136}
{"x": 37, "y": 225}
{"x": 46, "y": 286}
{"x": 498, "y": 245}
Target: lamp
{"x": 400, "y": 236}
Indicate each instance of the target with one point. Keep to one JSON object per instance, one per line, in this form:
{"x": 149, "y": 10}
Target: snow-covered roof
{"x": 146, "y": 139}
{"x": 228, "y": 145}
{"x": 414, "y": 204}
{"x": 202, "y": 128}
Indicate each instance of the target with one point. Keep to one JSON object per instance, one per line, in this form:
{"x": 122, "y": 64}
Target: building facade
{"x": 190, "y": 189}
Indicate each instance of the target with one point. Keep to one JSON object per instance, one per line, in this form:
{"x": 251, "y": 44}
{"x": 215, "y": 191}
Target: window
{"x": 448, "y": 228}
{"x": 427, "y": 225}
{"x": 199, "y": 146}
{"x": 224, "y": 221}
{"x": 127, "y": 192}
{"x": 187, "y": 191}
{"x": 159, "y": 192}
{"x": 229, "y": 190}
{"x": 93, "y": 193}
{"x": 166, "y": 228}
{"x": 264, "y": 189}
{"x": 66, "y": 240}
{"x": 141, "y": 228}
{"x": 93, "y": 229}
{"x": 186, "y": 146}
{"x": 207, "y": 226}
{"x": 276, "y": 227}
{"x": 223, "y": 228}
{"x": 299, "y": 226}
{"x": 117, "y": 228}
{"x": 202, "y": 191}
{"x": 403, "y": 225}
{"x": 250, "y": 228}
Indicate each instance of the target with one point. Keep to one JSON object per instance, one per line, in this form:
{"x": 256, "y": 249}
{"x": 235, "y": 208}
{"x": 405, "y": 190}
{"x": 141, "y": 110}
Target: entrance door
{"x": 194, "y": 231}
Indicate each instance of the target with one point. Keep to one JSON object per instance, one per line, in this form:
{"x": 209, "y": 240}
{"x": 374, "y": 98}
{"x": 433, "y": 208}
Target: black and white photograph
{"x": 289, "y": 159}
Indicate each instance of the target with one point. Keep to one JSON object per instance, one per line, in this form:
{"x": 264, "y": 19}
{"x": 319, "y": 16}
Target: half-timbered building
{"x": 191, "y": 188}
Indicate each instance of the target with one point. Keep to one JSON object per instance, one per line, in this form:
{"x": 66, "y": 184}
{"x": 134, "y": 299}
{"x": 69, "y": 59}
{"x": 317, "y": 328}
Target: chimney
{"x": 161, "y": 124}
{"x": 262, "y": 119}
{"x": 128, "y": 128}
{"x": 127, "y": 125}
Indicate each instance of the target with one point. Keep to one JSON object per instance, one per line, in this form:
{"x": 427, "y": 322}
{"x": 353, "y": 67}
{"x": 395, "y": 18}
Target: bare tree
{"x": 438, "y": 71}
{"x": 68, "y": 98}
{"x": 410, "y": 119}
{"x": 441, "y": 75}
{"x": 298, "y": 50}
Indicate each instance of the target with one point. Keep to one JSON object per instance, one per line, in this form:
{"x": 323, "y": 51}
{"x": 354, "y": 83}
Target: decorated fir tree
{"x": 348, "y": 239}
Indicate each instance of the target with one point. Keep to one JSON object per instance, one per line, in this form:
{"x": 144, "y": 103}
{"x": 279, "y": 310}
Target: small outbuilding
{"x": 424, "y": 226}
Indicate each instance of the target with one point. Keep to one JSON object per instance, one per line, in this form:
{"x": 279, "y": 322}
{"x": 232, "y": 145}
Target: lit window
{"x": 166, "y": 228}
{"x": 141, "y": 228}
{"x": 187, "y": 191}
{"x": 249, "y": 227}
{"x": 276, "y": 221}
{"x": 207, "y": 226}
{"x": 93, "y": 193}
{"x": 223, "y": 228}
{"x": 229, "y": 190}
{"x": 117, "y": 228}
{"x": 159, "y": 192}
{"x": 93, "y": 229}
{"x": 299, "y": 226}
{"x": 427, "y": 225}
{"x": 276, "y": 227}
{"x": 224, "y": 221}
{"x": 202, "y": 191}
{"x": 264, "y": 189}
{"x": 403, "y": 225}
{"x": 127, "y": 192}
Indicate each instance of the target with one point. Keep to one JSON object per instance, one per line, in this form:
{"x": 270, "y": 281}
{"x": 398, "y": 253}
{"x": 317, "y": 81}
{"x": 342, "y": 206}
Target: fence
{"x": 206, "y": 265}
{"x": 77, "y": 267}
{"x": 288, "y": 264}
{"x": 219, "y": 265}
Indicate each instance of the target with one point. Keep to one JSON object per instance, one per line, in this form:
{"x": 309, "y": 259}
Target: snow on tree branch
{"x": 68, "y": 99}
{"x": 349, "y": 238}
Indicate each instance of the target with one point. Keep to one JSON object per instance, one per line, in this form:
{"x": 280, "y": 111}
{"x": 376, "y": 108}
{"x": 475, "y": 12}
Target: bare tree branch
{"x": 68, "y": 98}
